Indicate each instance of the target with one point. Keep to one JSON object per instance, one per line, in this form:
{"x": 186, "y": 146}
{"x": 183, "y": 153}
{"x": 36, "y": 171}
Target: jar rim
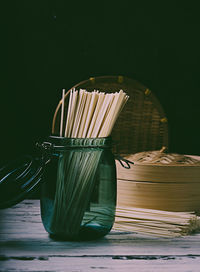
{"x": 56, "y": 143}
{"x": 63, "y": 138}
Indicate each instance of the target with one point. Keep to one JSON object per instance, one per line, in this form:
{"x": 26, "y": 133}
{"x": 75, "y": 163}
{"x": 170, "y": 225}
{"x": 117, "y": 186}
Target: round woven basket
{"x": 142, "y": 125}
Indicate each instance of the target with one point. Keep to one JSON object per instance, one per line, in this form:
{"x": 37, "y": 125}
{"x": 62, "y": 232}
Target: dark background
{"x": 50, "y": 45}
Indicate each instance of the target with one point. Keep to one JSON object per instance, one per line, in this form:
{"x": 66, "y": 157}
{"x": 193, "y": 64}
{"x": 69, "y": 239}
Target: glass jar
{"x": 78, "y": 194}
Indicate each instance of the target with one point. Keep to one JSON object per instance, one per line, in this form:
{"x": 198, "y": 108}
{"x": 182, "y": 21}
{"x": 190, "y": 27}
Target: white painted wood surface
{"x": 25, "y": 246}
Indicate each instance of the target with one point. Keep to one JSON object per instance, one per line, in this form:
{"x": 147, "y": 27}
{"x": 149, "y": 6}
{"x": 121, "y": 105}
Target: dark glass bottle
{"x": 78, "y": 195}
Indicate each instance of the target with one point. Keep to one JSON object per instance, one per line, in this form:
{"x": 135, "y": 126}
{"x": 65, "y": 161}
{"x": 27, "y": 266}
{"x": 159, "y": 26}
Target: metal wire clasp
{"x": 46, "y": 150}
{"x": 124, "y": 162}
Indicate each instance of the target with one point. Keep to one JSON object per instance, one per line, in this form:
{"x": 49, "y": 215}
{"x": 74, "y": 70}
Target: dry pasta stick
{"x": 121, "y": 100}
{"x": 102, "y": 112}
{"x": 73, "y": 112}
{"x": 84, "y": 115}
{"x": 91, "y": 109}
{"x": 106, "y": 123}
{"x": 101, "y": 98}
{"x": 68, "y": 113}
{"x": 117, "y": 105}
{"x": 79, "y": 112}
{"x": 104, "y": 115}
{"x": 62, "y": 112}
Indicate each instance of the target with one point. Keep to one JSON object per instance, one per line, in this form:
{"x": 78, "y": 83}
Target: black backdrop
{"x": 50, "y": 45}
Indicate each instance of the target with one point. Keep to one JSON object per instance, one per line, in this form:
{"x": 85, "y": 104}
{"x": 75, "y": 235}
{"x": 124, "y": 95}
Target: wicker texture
{"x": 142, "y": 124}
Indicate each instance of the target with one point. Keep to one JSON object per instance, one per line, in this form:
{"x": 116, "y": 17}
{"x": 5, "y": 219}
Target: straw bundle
{"x": 89, "y": 116}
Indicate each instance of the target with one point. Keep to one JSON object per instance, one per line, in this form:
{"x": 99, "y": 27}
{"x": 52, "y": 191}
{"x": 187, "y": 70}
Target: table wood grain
{"x": 25, "y": 246}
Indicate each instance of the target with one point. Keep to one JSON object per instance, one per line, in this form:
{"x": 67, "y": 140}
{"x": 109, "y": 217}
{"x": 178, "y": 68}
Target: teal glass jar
{"x": 78, "y": 194}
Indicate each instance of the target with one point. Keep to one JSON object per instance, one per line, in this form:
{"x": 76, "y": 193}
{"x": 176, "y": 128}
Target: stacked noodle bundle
{"x": 89, "y": 115}
{"x": 156, "y": 222}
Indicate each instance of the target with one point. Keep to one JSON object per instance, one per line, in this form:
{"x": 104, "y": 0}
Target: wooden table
{"x": 25, "y": 246}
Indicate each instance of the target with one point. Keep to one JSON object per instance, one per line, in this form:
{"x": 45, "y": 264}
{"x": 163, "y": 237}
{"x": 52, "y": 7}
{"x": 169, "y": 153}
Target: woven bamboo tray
{"x": 160, "y": 181}
{"x": 142, "y": 125}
